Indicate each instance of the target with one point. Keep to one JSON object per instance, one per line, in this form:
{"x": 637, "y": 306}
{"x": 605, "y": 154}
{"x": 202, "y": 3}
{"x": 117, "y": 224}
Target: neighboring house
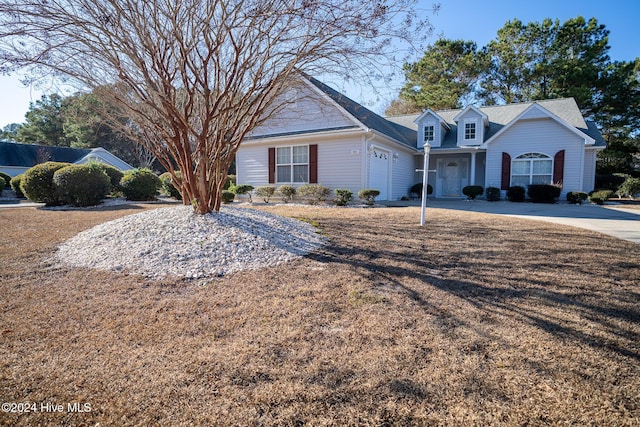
{"x": 321, "y": 136}
{"x": 17, "y": 158}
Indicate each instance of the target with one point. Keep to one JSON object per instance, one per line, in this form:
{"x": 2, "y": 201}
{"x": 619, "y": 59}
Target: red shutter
{"x": 506, "y": 171}
{"x": 313, "y": 164}
{"x": 558, "y": 168}
{"x": 272, "y": 165}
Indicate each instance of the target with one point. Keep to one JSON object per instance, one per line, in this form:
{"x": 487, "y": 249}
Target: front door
{"x": 452, "y": 176}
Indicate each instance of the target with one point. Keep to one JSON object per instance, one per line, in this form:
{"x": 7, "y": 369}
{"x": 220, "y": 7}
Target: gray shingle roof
{"x": 501, "y": 115}
{"x": 27, "y": 155}
{"x": 396, "y": 131}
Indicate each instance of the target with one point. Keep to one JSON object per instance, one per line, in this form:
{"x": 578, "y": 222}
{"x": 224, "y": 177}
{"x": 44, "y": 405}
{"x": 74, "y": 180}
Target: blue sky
{"x": 476, "y": 20}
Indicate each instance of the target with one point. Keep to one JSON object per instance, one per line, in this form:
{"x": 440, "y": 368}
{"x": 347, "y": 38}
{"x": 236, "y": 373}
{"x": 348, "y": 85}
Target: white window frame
{"x": 532, "y": 159}
{"x": 292, "y": 165}
{"x": 429, "y": 133}
{"x": 468, "y": 128}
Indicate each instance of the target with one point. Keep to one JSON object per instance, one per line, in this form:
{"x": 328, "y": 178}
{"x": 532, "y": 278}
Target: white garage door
{"x": 379, "y": 172}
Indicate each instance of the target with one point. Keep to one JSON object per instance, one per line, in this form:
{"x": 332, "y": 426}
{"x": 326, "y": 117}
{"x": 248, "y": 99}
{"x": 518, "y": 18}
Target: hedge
{"x": 37, "y": 183}
{"x": 472, "y": 191}
{"x": 140, "y": 184}
{"x": 82, "y": 185}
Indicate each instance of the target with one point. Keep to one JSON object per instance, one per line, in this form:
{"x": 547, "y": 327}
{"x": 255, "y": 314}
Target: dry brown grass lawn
{"x": 474, "y": 320}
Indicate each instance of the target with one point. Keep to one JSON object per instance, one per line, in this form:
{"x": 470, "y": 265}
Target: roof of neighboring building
{"x": 501, "y": 115}
{"x": 397, "y": 131}
{"x": 27, "y": 155}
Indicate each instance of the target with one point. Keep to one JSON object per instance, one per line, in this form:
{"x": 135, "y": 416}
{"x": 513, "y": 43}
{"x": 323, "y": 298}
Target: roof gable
{"x": 366, "y": 117}
{"x": 536, "y": 110}
{"x": 433, "y": 114}
{"x": 473, "y": 109}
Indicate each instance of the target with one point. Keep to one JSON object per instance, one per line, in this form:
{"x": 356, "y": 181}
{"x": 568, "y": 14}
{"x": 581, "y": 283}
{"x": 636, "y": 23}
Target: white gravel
{"x": 174, "y": 241}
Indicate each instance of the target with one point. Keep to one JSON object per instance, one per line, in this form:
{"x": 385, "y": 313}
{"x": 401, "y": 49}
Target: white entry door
{"x": 379, "y": 172}
{"x": 452, "y": 175}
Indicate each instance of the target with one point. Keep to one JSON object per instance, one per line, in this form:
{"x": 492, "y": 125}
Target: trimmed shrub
{"x": 82, "y": 185}
{"x": 629, "y": 188}
{"x": 168, "y": 189}
{"x": 228, "y": 196}
{"x": 544, "y": 193}
{"x": 266, "y": 192}
{"x": 368, "y": 196}
{"x": 315, "y": 193}
{"x": 417, "y": 189}
{"x": 243, "y": 189}
{"x": 16, "y": 182}
{"x": 493, "y": 194}
{"x": 515, "y": 193}
{"x": 287, "y": 192}
{"x": 37, "y": 183}
{"x": 343, "y": 196}
{"x": 576, "y": 197}
{"x": 472, "y": 191}
{"x": 600, "y": 197}
{"x": 140, "y": 184}
{"x": 7, "y": 181}
{"x": 115, "y": 176}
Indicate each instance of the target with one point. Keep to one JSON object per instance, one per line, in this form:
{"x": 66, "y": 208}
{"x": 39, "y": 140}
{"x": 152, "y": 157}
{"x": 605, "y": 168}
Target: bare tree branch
{"x": 196, "y": 76}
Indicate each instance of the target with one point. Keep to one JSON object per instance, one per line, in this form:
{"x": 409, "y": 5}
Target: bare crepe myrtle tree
{"x": 195, "y": 76}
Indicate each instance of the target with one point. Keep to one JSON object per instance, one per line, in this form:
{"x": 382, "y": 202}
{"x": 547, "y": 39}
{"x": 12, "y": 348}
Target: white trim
{"x": 427, "y": 112}
{"x": 485, "y": 118}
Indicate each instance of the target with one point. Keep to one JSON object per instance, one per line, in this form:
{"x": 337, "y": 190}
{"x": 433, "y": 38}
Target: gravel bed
{"x": 175, "y": 241}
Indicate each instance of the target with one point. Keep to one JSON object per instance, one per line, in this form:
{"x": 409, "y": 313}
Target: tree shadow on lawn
{"x": 543, "y": 284}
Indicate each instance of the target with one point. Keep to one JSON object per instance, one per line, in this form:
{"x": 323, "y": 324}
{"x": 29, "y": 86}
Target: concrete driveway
{"x": 614, "y": 220}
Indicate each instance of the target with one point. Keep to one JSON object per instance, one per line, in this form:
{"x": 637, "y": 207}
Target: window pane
{"x": 301, "y": 173}
{"x": 542, "y": 167}
{"x": 428, "y": 133}
{"x": 541, "y": 179}
{"x": 520, "y": 167}
{"x": 284, "y": 174}
{"x": 300, "y": 154}
{"x": 469, "y": 131}
{"x": 283, "y": 155}
{"x": 522, "y": 181}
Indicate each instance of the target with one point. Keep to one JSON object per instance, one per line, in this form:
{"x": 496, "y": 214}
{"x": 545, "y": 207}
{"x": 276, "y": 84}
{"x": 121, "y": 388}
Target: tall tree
{"x": 44, "y": 123}
{"x": 509, "y": 74}
{"x": 196, "y": 76}
{"x": 444, "y": 75}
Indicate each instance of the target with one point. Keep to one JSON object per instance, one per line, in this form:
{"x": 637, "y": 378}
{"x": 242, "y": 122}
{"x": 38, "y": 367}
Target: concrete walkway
{"x": 614, "y": 220}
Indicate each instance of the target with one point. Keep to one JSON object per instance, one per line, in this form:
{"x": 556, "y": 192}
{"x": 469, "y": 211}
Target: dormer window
{"x": 469, "y": 131}
{"x": 428, "y": 133}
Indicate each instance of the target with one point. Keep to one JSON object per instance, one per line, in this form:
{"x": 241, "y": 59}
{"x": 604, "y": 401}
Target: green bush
{"x": 16, "y": 182}
{"x": 243, "y": 189}
{"x": 115, "y": 176}
{"x": 37, "y": 183}
{"x": 168, "y": 189}
{"x": 140, "y": 184}
{"x": 610, "y": 181}
{"x": 629, "y": 188}
{"x": 343, "y": 196}
{"x": 417, "y": 189}
{"x": 515, "y": 193}
{"x": 7, "y": 181}
{"x": 314, "y": 193}
{"x": 493, "y": 194}
{"x": 82, "y": 185}
{"x": 600, "y": 196}
{"x": 472, "y": 191}
{"x": 368, "y": 196}
{"x": 287, "y": 192}
{"x": 544, "y": 193}
{"x": 576, "y": 197}
{"x": 228, "y": 196}
{"x": 265, "y": 192}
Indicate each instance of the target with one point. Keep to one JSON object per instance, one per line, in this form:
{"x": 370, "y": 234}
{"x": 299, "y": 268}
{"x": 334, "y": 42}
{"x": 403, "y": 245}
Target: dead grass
{"x": 474, "y": 320}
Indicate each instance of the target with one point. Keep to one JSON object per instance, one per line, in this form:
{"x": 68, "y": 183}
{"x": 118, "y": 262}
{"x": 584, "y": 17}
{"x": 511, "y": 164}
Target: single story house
{"x": 17, "y": 158}
{"x": 318, "y": 135}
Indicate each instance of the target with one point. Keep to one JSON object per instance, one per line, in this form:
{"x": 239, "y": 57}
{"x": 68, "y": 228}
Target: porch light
{"x": 425, "y": 179}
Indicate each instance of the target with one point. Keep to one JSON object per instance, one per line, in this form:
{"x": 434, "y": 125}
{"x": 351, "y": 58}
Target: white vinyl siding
{"x": 470, "y": 129}
{"x": 538, "y": 136}
{"x": 589, "y": 171}
{"x": 429, "y": 126}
